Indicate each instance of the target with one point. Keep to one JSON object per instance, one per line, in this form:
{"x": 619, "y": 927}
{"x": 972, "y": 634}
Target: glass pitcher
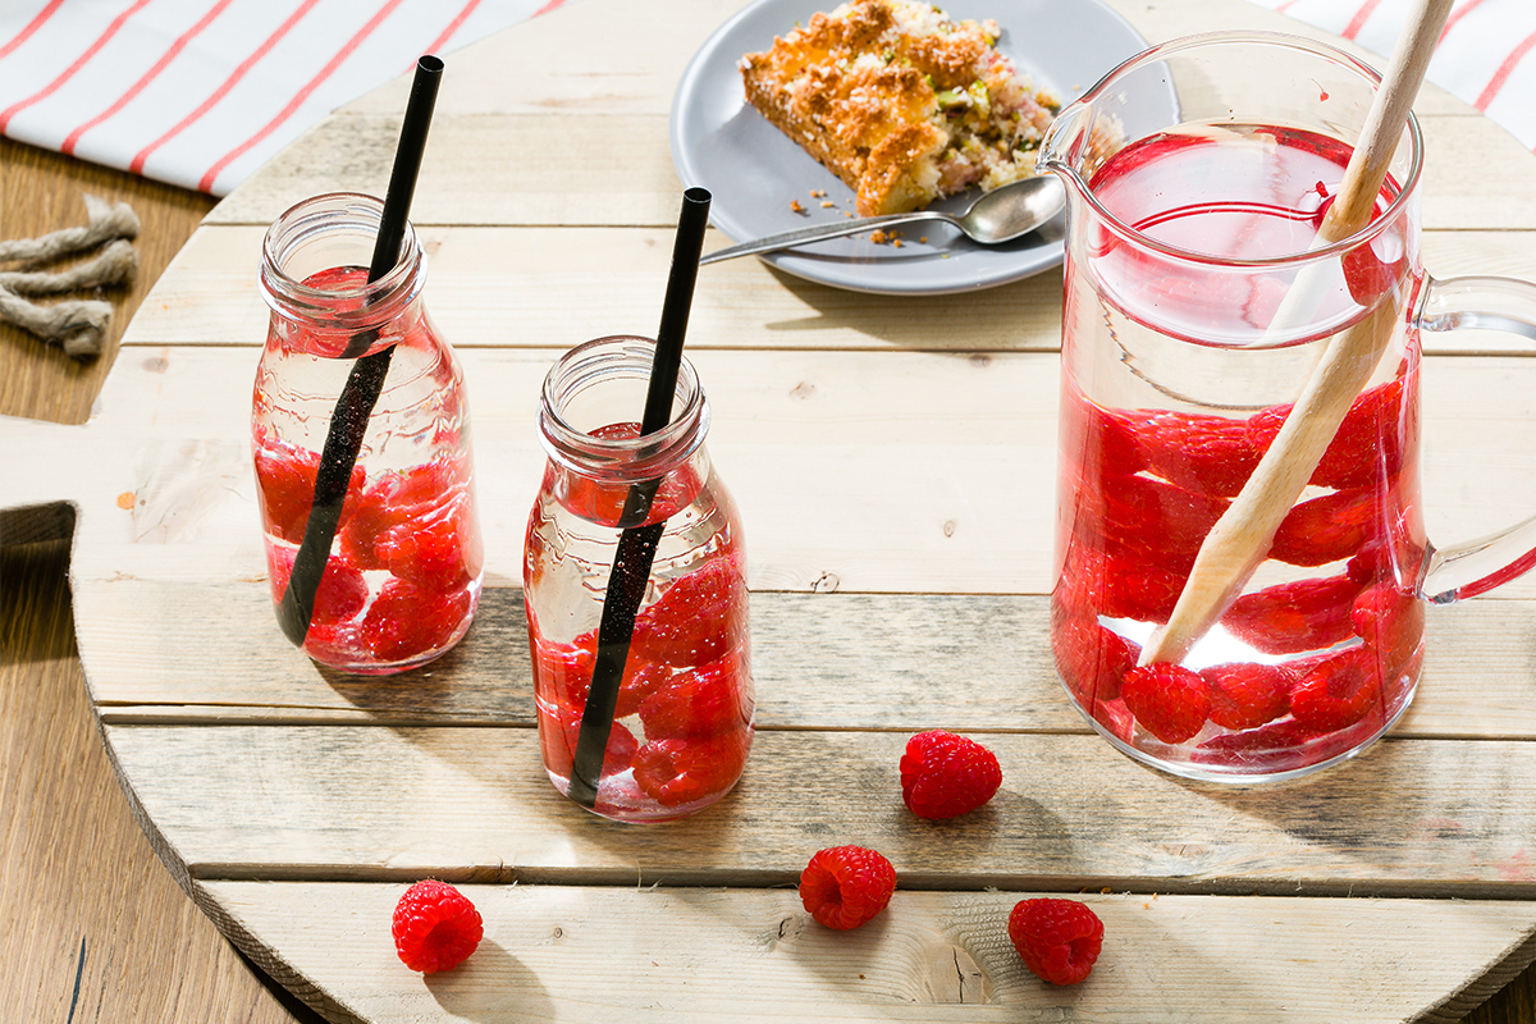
{"x": 1197, "y": 309}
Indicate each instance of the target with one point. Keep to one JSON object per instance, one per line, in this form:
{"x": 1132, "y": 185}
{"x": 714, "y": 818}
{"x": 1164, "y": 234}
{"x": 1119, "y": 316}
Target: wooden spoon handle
{"x": 1378, "y": 140}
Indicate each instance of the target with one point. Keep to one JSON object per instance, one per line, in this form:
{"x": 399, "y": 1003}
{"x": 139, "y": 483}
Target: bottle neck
{"x": 314, "y": 276}
{"x": 591, "y": 406}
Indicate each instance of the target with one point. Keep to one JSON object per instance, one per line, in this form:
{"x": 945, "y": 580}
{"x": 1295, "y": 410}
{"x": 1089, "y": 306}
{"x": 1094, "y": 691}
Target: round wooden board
{"x": 294, "y": 804}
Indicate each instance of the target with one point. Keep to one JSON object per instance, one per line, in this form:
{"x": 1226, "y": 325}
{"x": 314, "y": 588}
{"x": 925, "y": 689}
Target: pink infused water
{"x": 1182, "y": 352}
{"x": 403, "y": 576}
{"x": 684, "y": 710}
{"x": 1234, "y": 193}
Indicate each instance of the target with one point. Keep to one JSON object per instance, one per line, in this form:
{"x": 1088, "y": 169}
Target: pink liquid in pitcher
{"x": 1175, "y": 384}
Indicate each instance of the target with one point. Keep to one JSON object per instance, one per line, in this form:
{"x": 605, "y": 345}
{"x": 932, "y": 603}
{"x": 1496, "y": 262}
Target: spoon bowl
{"x": 1005, "y": 213}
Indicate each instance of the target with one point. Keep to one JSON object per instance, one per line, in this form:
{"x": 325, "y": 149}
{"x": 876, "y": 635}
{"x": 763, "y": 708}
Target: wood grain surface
{"x": 92, "y": 927}
{"x": 102, "y": 931}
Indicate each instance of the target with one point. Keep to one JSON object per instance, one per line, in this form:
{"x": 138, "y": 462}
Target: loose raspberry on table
{"x": 944, "y": 775}
{"x": 1059, "y": 939}
{"x": 1169, "y": 700}
{"x": 435, "y": 927}
{"x": 844, "y": 887}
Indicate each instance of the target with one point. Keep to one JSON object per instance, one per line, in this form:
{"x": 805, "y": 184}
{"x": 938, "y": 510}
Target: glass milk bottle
{"x": 683, "y": 718}
{"x": 402, "y": 571}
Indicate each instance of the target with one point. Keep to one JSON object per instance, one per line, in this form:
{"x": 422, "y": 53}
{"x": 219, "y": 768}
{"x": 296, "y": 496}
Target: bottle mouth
{"x": 325, "y": 233}
{"x": 600, "y": 385}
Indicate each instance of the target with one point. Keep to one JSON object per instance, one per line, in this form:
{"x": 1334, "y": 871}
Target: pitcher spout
{"x": 1069, "y": 145}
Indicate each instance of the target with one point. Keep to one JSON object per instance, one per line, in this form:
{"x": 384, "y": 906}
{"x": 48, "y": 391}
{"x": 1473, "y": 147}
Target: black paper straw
{"x": 349, "y": 421}
{"x": 637, "y": 544}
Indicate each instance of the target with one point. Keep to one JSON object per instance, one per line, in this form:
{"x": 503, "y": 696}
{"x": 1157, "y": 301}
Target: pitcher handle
{"x": 1484, "y": 303}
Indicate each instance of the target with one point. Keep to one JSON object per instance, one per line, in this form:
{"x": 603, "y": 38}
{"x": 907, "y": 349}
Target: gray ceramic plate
{"x": 755, "y": 171}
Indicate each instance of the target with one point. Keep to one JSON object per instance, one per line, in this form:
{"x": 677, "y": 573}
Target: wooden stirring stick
{"x": 1241, "y": 537}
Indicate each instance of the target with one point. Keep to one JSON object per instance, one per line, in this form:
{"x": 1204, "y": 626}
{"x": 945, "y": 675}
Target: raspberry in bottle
{"x": 683, "y": 719}
{"x": 403, "y": 570}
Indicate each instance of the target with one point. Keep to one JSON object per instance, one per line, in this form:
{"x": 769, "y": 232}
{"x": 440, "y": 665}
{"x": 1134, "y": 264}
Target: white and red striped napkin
{"x": 1486, "y": 55}
{"x": 200, "y": 93}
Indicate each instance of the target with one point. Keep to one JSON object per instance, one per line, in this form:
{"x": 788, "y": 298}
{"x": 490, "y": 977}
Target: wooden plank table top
{"x": 293, "y": 805}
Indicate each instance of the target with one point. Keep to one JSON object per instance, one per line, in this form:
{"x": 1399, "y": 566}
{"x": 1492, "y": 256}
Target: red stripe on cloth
{"x": 453, "y": 26}
{"x": 32, "y": 26}
{"x": 1505, "y": 69}
{"x": 1361, "y": 17}
{"x": 1457, "y": 15}
{"x": 206, "y": 183}
{"x": 69, "y": 72}
{"x": 136, "y": 165}
{"x": 149, "y": 76}
{"x": 547, "y": 8}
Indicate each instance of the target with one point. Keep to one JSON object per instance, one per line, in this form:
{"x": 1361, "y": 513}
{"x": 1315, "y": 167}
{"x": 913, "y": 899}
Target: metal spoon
{"x": 1000, "y": 215}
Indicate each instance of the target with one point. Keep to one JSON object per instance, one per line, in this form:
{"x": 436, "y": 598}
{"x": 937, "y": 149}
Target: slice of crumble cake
{"x": 900, "y": 102}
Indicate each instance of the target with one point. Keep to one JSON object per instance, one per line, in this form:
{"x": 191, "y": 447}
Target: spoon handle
{"x": 800, "y": 236}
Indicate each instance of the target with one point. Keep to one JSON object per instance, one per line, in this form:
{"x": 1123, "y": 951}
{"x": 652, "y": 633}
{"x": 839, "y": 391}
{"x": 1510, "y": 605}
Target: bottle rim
{"x": 619, "y": 360}
{"x": 348, "y": 223}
